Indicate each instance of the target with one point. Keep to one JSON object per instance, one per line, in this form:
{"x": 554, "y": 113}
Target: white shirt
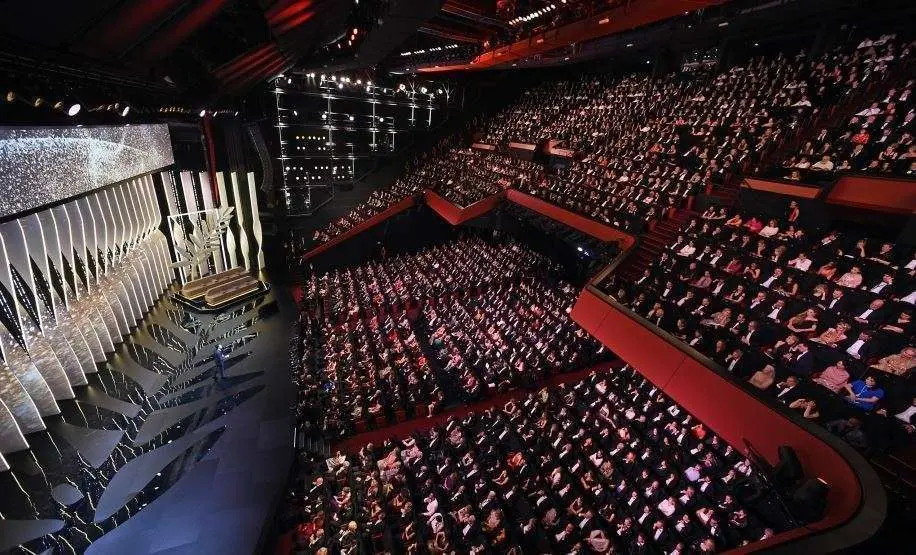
{"x": 866, "y": 313}
{"x": 911, "y": 298}
{"x": 907, "y": 414}
{"x": 769, "y": 281}
{"x": 802, "y": 265}
{"x": 854, "y": 348}
{"x": 877, "y": 288}
{"x": 666, "y": 507}
{"x": 774, "y": 314}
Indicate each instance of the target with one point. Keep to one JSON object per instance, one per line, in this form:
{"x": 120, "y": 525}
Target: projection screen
{"x": 45, "y": 165}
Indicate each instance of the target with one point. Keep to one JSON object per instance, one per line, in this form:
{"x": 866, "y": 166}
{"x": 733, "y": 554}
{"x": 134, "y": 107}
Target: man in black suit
{"x": 737, "y": 364}
{"x": 803, "y": 362}
{"x": 758, "y": 304}
{"x": 862, "y": 348}
{"x": 534, "y": 539}
{"x": 838, "y": 302}
{"x": 883, "y": 286}
{"x": 753, "y": 336}
{"x": 873, "y": 314}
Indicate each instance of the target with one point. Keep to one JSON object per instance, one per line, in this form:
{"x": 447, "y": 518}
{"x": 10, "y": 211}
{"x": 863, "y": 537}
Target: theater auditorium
{"x": 444, "y": 277}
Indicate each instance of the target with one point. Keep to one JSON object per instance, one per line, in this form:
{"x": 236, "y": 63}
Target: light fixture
{"x": 11, "y": 96}
{"x": 423, "y": 90}
{"x": 340, "y": 86}
{"x": 38, "y": 101}
{"x": 203, "y": 113}
{"x": 74, "y": 109}
{"x": 125, "y": 110}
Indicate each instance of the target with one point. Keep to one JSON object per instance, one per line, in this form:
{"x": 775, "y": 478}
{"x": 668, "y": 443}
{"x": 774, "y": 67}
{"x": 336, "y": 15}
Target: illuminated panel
{"x": 40, "y": 166}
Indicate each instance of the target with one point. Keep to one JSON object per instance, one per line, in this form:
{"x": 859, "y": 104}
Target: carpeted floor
{"x": 404, "y": 429}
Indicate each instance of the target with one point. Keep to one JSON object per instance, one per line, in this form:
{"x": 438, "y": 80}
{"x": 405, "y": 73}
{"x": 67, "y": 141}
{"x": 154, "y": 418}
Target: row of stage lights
{"x": 330, "y": 80}
{"x": 202, "y": 113}
{"x": 71, "y": 107}
{"x": 425, "y": 50}
{"x": 534, "y": 15}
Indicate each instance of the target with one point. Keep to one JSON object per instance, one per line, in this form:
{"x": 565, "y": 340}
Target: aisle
{"x": 404, "y": 429}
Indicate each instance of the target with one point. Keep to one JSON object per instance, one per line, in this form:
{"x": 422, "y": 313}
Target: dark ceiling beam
{"x": 635, "y": 14}
{"x": 133, "y": 19}
{"x": 245, "y": 61}
{"x": 399, "y": 24}
{"x": 170, "y": 37}
{"x": 472, "y": 13}
{"x": 263, "y": 72}
{"x": 450, "y": 34}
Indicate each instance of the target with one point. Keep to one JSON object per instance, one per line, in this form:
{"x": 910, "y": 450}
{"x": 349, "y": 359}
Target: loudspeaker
{"x": 810, "y": 500}
{"x": 788, "y": 470}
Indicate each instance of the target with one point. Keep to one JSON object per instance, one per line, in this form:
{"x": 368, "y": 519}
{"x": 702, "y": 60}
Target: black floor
{"x": 154, "y": 455}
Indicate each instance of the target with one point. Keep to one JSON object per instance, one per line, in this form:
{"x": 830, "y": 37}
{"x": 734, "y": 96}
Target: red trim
{"x": 206, "y": 123}
{"x": 629, "y": 16}
{"x": 733, "y": 413}
{"x": 374, "y": 220}
{"x": 455, "y": 215}
{"x": 583, "y": 224}
{"x": 885, "y": 194}
{"x": 780, "y": 187}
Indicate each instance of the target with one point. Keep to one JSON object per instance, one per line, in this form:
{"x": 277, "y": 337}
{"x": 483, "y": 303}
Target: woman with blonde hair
{"x": 763, "y": 378}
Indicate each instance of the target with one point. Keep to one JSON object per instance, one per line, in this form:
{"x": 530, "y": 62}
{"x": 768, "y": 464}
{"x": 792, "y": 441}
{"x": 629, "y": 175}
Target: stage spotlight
{"x": 423, "y": 90}
{"x": 203, "y": 113}
{"x": 11, "y": 96}
{"x": 125, "y": 110}
{"x": 340, "y": 86}
{"x": 74, "y": 109}
{"x": 352, "y": 118}
{"x": 38, "y": 102}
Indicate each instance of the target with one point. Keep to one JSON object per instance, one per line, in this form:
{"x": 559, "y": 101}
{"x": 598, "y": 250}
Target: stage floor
{"x": 154, "y": 455}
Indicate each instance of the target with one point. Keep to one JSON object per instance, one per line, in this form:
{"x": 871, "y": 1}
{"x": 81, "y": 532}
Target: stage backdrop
{"x": 41, "y": 166}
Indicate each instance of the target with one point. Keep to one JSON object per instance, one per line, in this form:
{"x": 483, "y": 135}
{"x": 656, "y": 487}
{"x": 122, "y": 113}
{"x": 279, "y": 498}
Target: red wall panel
{"x": 374, "y": 220}
{"x": 583, "y": 224}
{"x": 715, "y": 400}
{"x": 875, "y": 193}
{"x": 455, "y": 215}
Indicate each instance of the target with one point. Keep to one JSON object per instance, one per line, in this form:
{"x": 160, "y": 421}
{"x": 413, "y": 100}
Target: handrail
{"x": 850, "y": 529}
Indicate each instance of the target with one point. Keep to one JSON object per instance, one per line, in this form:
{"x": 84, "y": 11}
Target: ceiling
{"x": 201, "y": 47}
{"x": 210, "y": 50}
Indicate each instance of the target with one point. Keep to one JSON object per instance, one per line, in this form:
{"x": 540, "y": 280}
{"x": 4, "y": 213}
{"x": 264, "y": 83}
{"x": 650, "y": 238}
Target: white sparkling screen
{"x": 45, "y": 165}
